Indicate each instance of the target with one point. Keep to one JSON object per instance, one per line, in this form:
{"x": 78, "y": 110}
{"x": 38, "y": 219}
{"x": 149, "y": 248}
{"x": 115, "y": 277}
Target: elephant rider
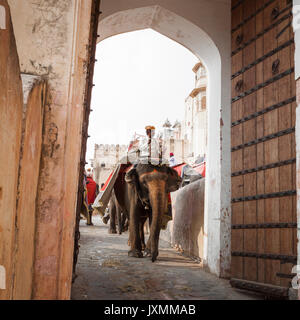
{"x": 149, "y": 149}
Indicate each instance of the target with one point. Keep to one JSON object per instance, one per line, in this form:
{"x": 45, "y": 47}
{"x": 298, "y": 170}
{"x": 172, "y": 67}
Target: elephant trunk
{"x": 158, "y": 199}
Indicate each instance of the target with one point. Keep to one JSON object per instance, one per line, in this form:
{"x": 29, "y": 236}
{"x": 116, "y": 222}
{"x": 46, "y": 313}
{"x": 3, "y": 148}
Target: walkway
{"x": 105, "y": 272}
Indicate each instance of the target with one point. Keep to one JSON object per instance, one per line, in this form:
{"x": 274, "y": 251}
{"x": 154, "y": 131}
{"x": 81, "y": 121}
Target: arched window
{"x": 2, "y": 18}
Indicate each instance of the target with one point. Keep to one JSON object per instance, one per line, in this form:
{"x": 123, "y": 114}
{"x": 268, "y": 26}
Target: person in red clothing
{"x": 92, "y": 192}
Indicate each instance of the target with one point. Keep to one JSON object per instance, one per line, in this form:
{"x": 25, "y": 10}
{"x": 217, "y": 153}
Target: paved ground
{"x": 105, "y": 272}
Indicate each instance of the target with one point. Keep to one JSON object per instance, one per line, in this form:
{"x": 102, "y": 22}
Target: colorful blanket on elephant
{"x": 102, "y": 200}
{"x": 200, "y": 168}
{"x": 117, "y": 177}
{"x": 197, "y": 168}
{"x": 179, "y": 169}
{"x": 124, "y": 168}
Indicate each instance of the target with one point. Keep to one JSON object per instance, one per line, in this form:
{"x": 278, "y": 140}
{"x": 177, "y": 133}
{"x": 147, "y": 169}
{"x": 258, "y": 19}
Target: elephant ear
{"x": 173, "y": 181}
{"x": 131, "y": 176}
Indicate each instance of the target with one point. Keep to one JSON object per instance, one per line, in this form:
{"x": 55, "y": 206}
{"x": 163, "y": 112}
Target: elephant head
{"x": 152, "y": 184}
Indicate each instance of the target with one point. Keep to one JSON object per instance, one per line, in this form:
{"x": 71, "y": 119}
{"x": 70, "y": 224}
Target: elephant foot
{"x": 154, "y": 256}
{"x": 135, "y": 253}
{"x": 112, "y": 231}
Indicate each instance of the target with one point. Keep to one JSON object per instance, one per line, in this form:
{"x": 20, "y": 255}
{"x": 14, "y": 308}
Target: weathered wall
{"x": 186, "y": 230}
{"x": 11, "y": 108}
{"x": 52, "y": 40}
{"x": 28, "y": 186}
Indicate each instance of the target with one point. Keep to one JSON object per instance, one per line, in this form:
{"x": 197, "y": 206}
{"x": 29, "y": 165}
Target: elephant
{"x": 142, "y": 194}
{"x": 116, "y": 215}
{"x": 122, "y": 218}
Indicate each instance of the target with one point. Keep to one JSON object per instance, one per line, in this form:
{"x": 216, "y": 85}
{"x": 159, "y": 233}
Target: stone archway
{"x": 217, "y": 220}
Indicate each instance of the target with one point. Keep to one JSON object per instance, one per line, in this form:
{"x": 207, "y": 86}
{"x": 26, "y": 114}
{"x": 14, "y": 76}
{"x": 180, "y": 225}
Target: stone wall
{"x": 186, "y": 231}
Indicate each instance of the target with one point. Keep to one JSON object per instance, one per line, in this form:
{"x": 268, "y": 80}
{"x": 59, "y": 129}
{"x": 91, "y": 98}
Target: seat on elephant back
{"x": 189, "y": 173}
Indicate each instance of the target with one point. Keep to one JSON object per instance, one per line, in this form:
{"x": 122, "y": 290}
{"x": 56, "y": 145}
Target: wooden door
{"x": 28, "y": 190}
{"x": 11, "y": 105}
{"x": 264, "y": 220}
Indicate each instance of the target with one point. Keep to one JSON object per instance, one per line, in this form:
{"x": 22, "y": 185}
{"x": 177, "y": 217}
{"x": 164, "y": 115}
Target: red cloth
{"x": 124, "y": 168}
{"x": 107, "y": 182}
{"x": 201, "y": 168}
{"x": 91, "y": 190}
{"x": 179, "y": 168}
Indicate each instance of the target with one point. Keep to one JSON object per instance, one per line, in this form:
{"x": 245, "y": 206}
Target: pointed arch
{"x": 217, "y": 217}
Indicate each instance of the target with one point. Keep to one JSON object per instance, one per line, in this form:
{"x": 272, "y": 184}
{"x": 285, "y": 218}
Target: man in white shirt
{"x": 149, "y": 149}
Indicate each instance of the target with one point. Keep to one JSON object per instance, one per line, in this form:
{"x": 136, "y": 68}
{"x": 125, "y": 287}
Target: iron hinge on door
{"x": 265, "y": 196}
{"x": 262, "y": 288}
{"x": 283, "y": 258}
{"x": 262, "y": 85}
{"x": 264, "y": 57}
{"x": 279, "y": 225}
{"x": 265, "y": 167}
{"x": 261, "y": 112}
{"x": 263, "y": 139}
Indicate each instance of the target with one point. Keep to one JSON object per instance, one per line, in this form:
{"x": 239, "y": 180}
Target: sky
{"x": 141, "y": 78}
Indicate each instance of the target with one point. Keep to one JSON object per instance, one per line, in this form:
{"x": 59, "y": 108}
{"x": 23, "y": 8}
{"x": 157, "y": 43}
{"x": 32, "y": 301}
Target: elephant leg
{"x": 142, "y": 234}
{"x": 119, "y": 218}
{"x": 134, "y": 234}
{"x": 147, "y": 252}
{"x": 89, "y": 218}
{"x": 124, "y": 222}
{"x": 112, "y": 224}
{"x": 146, "y": 227}
{"x": 154, "y": 245}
